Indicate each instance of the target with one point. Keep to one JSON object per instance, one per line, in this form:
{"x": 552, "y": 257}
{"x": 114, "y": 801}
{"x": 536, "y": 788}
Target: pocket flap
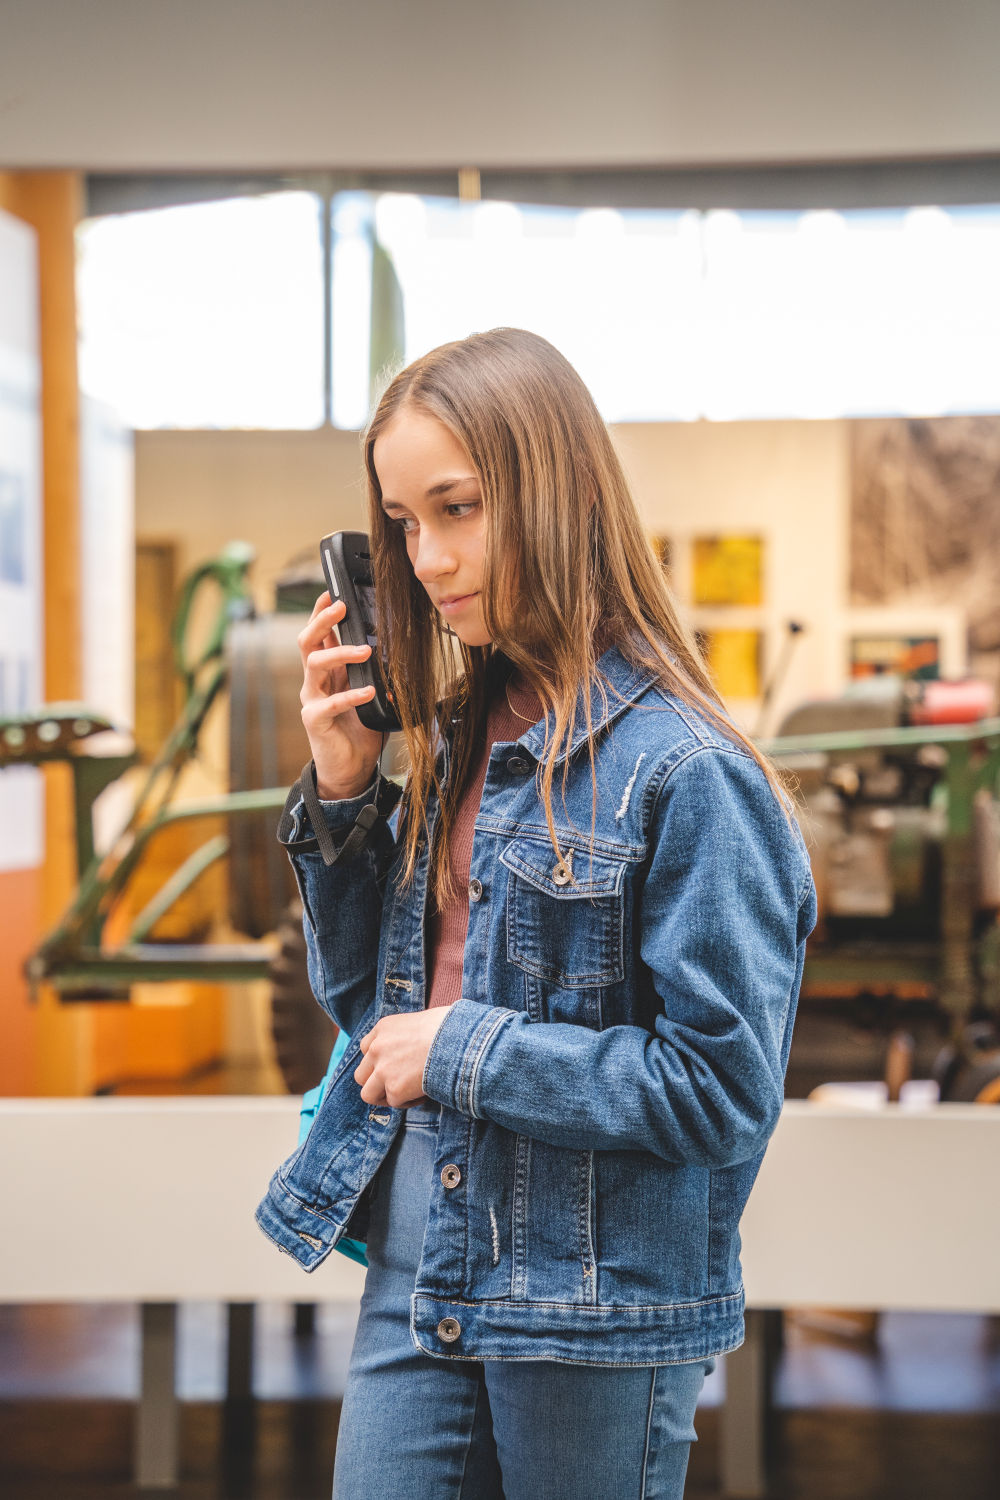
{"x": 537, "y": 863}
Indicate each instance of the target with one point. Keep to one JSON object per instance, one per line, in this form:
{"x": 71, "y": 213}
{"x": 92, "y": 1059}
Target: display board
{"x": 21, "y": 807}
{"x": 107, "y": 587}
{"x": 107, "y": 544}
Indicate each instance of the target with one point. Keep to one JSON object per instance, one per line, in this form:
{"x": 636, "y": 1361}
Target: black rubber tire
{"x": 267, "y": 748}
{"x": 977, "y": 1083}
{"x": 967, "y": 1071}
{"x": 303, "y": 1033}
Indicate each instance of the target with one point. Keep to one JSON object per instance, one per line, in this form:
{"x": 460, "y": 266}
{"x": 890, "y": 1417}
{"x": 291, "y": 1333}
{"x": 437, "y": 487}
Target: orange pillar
{"x": 51, "y": 202}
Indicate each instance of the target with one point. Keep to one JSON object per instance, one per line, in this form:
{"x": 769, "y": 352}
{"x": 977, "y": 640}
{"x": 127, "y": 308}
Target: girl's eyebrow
{"x": 443, "y": 488}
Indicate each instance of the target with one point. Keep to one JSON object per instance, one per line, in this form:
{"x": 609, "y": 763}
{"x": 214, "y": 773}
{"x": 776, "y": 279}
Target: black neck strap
{"x": 385, "y": 797}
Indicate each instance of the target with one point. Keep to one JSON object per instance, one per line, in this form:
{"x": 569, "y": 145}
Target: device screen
{"x": 366, "y": 594}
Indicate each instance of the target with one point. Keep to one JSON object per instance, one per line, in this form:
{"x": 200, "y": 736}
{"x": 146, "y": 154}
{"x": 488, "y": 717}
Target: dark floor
{"x": 910, "y": 1414}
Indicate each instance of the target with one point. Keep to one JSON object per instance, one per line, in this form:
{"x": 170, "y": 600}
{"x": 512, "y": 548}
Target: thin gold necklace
{"x": 527, "y": 720}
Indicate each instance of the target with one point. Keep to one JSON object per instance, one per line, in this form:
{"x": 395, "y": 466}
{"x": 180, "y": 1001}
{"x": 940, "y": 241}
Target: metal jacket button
{"x": 518, "y": 765}
{"x": 449, "y": 1330}
{"x": 561, "y": 874}
{"x": 450, "y": 1175}
{"x": 475, "y": 890}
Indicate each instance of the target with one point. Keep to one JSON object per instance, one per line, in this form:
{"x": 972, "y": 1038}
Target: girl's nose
{"x": 433, "y": 558}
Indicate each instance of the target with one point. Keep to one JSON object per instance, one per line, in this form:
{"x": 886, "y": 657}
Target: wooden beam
{"x": 52, "y": 203}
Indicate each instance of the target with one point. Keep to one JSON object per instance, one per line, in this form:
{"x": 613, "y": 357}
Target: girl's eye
{"x": 458, "y": 509}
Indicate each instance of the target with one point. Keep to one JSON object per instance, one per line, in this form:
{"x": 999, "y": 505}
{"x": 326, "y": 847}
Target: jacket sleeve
{"x": 723, "y": 914}
{"x": 342, "y": 907}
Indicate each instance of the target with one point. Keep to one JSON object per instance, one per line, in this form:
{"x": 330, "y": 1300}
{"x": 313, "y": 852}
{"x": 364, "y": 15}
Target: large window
{"x": 207, "y": 315}
{"x": 616, "y": 293}
{"x": 219, "y": 314}
{"x": 827, "y": 314}
{"x": 719, "y": 314}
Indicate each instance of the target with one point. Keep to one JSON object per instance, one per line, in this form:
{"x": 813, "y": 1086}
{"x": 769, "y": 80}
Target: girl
{"x": 568, "y": 959}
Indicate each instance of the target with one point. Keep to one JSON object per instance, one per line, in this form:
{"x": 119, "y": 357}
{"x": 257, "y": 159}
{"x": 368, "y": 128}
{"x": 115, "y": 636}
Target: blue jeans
{"x": 417, "y": 1428}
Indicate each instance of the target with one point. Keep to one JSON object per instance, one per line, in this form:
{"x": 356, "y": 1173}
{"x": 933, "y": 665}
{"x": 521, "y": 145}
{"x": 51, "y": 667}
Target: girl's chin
{"x": 470, "y": 635}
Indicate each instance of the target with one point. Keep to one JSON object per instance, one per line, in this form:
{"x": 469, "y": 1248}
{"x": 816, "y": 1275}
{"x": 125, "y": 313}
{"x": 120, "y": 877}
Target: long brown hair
{"x": 568, "y": 570}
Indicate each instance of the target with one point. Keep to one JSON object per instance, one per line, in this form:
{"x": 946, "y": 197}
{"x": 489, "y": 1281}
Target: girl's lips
{"x": 448, "y": 606}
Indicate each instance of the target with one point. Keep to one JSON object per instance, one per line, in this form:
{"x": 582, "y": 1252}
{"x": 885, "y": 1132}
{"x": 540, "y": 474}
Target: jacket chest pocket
{"x": 568, "y": 932}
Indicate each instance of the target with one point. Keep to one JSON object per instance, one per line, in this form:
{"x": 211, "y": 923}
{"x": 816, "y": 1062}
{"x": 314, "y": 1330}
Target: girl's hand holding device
{"x": 345, "y": 753}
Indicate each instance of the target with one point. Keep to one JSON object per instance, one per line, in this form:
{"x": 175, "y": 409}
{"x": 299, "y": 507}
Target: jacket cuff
{"x": 339, "y": 815}
{"x": 461, "y": 1042}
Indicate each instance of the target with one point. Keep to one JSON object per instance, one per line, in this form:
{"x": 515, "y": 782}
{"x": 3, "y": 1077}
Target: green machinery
{"x": 73, "y": 956}
{"x": 902, "y": 821}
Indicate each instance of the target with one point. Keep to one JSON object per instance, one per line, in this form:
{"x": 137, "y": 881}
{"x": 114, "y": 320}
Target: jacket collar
{"x": 625, "y": 683}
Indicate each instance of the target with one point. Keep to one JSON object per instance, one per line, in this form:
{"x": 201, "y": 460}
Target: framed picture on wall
{"x": 914, "y": 656}
{"x": 734, "y": 659}
{"x": 727, "y": 570}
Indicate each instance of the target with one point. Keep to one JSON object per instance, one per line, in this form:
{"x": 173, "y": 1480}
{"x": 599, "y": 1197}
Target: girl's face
{"x": 432, "y": 493}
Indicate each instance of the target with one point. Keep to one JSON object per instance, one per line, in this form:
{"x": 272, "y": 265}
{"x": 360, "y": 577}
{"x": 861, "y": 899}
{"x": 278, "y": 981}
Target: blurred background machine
{"x": 133, "y": 919}
{"x": 134, "y": 922}
{"x": 898, "y": 788}
{"x": 897, "y": 784}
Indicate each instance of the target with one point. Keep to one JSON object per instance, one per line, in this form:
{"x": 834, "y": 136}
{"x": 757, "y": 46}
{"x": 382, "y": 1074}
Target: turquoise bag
{"x": 311, "y": 1101}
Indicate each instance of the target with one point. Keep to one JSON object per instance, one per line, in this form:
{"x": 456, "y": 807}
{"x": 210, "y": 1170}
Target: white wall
{"x": 280, "y": 491}
{"x": 392, "y": 83}
{"x": 787, "y": 482}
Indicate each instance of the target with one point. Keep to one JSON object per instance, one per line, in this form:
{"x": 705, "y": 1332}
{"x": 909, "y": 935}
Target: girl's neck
{"x": 507, "y": 672}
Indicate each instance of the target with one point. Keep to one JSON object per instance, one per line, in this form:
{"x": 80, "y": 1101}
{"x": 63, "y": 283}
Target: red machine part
{"x": 962, "y": 702}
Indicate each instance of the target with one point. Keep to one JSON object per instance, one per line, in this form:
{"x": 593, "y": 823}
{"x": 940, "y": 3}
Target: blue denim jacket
{"x": 615, "y": 1066}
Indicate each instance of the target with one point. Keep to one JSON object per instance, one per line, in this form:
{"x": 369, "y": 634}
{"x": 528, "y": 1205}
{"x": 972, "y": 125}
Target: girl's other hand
{"x": 344, "y": 751}
{"x": 394, "y": 1054}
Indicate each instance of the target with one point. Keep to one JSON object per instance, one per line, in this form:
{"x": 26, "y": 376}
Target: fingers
{"x": 325, "y": 657}
{"x": 318, "y": 631}
{"x": 387, "y": 1075}
{"x": 319, "y": 713}
{"x": 363, "y": 1075}
{"x": 372, "y": 1091}
{"x": 323, "y": 602}
{"x": 325, "y": 669}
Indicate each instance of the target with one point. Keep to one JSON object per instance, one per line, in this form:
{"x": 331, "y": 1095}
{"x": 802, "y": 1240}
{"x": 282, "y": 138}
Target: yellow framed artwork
{"x": 728, "y": 570}
{"x": 734, "y": 660}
